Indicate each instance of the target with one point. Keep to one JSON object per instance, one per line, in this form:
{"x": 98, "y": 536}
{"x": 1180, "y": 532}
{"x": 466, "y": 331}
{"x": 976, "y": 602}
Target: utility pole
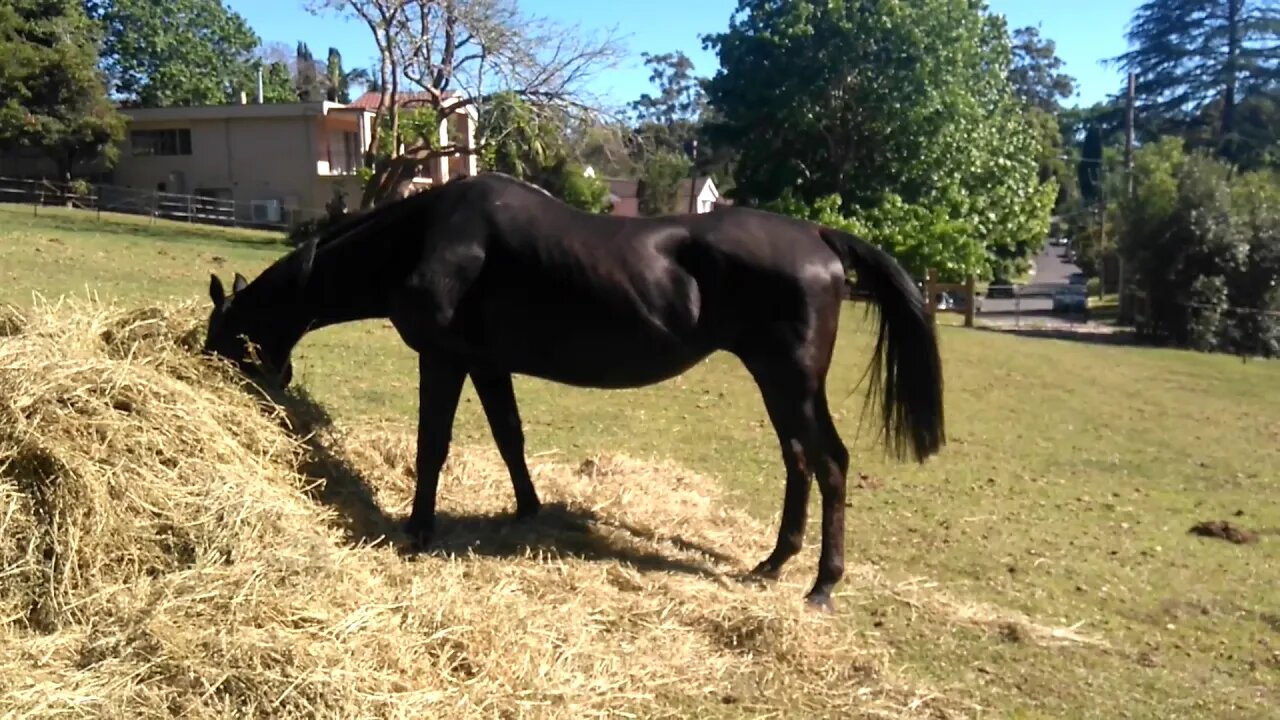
{"x": 693, "y": 174}
{"x": 1125, "y": 310}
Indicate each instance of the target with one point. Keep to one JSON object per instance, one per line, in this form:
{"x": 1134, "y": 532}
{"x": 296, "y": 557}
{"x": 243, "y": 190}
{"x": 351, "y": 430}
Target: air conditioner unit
{"x": 266, "y": 211}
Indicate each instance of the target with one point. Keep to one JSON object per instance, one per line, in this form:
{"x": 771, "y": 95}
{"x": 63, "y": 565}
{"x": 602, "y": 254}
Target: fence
{"x": 1239, "y": 330}
{"x": 263, "y": 215}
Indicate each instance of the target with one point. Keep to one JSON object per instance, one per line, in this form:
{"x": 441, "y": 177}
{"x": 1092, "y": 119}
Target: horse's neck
{"x": 343, "y": 286}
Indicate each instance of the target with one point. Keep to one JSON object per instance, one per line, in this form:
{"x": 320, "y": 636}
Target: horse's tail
{"x": 905, "y": 369}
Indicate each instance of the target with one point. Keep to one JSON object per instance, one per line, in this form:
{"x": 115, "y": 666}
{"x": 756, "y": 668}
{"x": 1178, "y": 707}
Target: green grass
{"x": 1073, "y": 474}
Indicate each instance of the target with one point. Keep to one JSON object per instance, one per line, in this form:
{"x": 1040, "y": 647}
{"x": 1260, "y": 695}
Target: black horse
{"x": 489, "y": 276}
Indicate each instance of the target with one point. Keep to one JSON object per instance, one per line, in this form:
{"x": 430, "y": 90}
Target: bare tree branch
{"x": 460, "y": 53}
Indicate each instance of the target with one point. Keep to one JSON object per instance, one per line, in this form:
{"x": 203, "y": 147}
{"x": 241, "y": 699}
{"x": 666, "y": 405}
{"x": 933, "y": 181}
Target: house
{"x": 459, "y": 128}
{"x": 705, "y": 196}
{"x": 278, "y": 162}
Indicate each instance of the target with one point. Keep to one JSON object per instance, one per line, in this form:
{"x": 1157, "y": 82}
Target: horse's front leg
{"x": 498, "y": 398}
{"x": 440, "y": 378}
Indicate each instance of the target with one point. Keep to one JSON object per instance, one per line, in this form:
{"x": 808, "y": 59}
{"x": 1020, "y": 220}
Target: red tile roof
{"x": 369, "y": 100}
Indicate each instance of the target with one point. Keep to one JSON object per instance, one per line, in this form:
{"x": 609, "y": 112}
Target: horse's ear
{"x": 216, "y": 292}
{"x": 239, "y": 283}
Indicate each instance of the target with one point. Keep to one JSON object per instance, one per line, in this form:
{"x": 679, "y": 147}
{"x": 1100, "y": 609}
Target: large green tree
{"x": 52, "y": 96}
{"x": 901, "y": 112}
{"x": 175, "y": 52}
{"x": 1187, "y": 54}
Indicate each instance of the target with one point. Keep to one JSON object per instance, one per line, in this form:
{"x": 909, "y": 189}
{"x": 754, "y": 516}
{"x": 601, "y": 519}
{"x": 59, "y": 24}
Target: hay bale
{"x": 170, "y": 547}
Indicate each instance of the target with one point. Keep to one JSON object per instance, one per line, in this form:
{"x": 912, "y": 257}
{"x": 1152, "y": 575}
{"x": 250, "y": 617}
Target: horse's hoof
{"x": 527, "y": 512}
{"x": 819, "y": 602}
{"x": 766, "y": 571}
{"x": 419, "y": 534}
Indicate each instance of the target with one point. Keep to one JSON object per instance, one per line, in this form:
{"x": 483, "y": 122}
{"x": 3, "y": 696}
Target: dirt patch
{"x": 1224, "y": 530}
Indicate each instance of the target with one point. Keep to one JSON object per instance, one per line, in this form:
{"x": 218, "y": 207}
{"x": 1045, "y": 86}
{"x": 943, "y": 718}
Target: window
{"x": 170, "y": 141}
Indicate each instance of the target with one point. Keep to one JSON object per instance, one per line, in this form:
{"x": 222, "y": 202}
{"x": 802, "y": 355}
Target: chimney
{"x": 259, "y": 84}
{"x": 244, "y": 99}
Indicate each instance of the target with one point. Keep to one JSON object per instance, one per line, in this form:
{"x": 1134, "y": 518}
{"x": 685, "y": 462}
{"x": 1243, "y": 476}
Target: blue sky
{"x": 1086, "y": 31}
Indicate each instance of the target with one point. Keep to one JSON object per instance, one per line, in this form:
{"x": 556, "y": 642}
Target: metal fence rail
{"x": 170, "y": 206}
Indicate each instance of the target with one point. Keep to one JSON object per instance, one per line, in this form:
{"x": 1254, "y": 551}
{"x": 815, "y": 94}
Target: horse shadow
{"x": 558, "y": 532}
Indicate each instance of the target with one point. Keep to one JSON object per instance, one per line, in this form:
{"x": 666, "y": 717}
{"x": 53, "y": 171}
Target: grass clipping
{"x": 169, "y": 547}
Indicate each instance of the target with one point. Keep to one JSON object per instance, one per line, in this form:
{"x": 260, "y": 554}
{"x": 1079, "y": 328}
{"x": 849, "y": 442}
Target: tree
{"x": 531, "y": 145}
{"x": 52, "y": 95}
{"x": 1090, "y": 168}
{"x": 1187, "y": 53}
{"x": 277, "y": 84}
{"x": 659, "y": 184}
{"x": 1035, "y": 72}
{"x": 670, "y": 122}
{"x": 337, "y": 82}
{"x": 174, "y": 52}
{"x": 1036, "y": 78}
{"x": 308, "y": 82}
{"x": 459, "y": 53}
{"x": 901, "y": 112}
{"x": 1202, "y": 239}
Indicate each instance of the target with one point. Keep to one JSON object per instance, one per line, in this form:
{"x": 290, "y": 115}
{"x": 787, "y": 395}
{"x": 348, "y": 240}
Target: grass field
{"x": 1072, "y": 477}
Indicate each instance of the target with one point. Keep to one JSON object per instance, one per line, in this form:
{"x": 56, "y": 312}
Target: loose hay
{"x": 169, "y": 548}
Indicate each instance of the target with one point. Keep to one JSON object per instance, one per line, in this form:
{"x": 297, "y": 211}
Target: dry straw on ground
{"x": 168, "y": 547}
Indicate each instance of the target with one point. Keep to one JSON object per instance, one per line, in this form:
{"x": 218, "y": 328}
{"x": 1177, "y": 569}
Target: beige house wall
{"x": 291, "y": 154}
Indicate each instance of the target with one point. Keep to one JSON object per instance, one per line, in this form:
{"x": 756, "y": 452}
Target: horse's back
{"x": 616, "y": 301}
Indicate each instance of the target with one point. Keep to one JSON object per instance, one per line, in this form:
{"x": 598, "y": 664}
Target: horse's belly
{"x": 586, "y": 345}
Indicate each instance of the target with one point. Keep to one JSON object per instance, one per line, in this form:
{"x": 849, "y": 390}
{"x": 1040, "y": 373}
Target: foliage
{"x": 1089, "y": 168}
{"x": 1187, "y": 53}
{"x": 1201, "y": 239}
{"x": 277, "y": 84}
{"x": 901, "y": 109}
{"x": 52, "y": 96}
{"x": 669, "y": 121}
{"x": 159, "y": 53}
{"x": 1255, "y": 142}
{"x": 609, "y": 147}
{"x": 566, "y": 180}
{"x": 1035, "y": 72}
{"x": 659, "y": 183}
{"x": 673, "y": 124}
{"x": 309, "y": 79}
{"x": 337, "y": 81}
{"x": 516, "y": 138}
{"x": 1036, "y": 79}
{"x": 527, "y": 142}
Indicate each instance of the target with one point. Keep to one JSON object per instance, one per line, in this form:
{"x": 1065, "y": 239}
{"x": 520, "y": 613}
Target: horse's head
{"x": 234, "y": 335}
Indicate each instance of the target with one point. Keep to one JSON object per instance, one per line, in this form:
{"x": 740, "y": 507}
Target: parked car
{"x": 1070, "y": 299}
{"x": 1077, "y": 278}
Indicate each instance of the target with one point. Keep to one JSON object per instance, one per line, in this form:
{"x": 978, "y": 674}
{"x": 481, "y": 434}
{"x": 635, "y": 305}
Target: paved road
{"x": 1035, "y": 299}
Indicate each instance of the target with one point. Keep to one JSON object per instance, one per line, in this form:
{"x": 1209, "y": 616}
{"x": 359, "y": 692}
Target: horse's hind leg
{"x": 498, "y": 398}
{"x": 440, "y": 379}
{"x": 796, "y": 401}
{"x": 796, "y": 496}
